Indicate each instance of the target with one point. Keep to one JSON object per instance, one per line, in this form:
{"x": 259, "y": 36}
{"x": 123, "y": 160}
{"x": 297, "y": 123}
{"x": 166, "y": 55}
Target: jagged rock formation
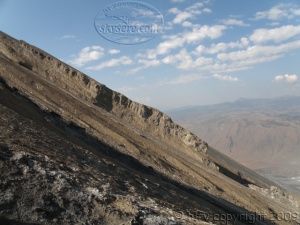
{"x": 81, "y": 86}
{"x": 75, "y": 152}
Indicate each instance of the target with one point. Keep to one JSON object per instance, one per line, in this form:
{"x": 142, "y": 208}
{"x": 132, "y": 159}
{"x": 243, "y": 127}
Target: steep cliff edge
{"x": 62, "y": 75}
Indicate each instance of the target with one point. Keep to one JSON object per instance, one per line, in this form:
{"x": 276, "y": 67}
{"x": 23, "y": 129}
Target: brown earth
{"x": 75, "y": 152}
{"x": 262, "y": 134}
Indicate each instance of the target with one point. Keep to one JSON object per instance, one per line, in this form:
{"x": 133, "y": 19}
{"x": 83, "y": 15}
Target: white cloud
{"x": 174, "y": 10}
{"x": 67, "y": 37}
{"x": 187, "y": 24}
{"x": 183, "y": 55}
{"x": 203, "y": 32}
{"x": 221, "y": 47}
{"x": 279, "y": 11}
{"x": 287, "y": 78}
{"x": 183, "y": 79}
{"x": 189, "y": 13}
{"x": 182, "y": 16}
{"x": 165, "y": 47}
{"x": 217, "y": 57}
{"x": 195, "y": 6}
{"x": 224, "y": 67}
{"x": 146, "y": 63}
{"x": 225, "y": 78}
{"x": 296, "y": 12}
{"x": 256, "y": 52}
{"x": 244, "y": 59}
{"x": 275, "y": 23}
{"x": 124, "y": 60}
{"x": 207, "y": 10}
{"x": 221, "y": 60}
{"x": 135, "y": 70}
{"x": 113, "y": 51}
{"x": 202, "y": 61}
{"x": 277, "y": 34}
{"x": 190, "y": 37}
{"x": 168, "y": 26}
{"x": 177, "y": 1}
{"x": 253, "y": 61}
{"x": 235, "y": 22}
{"x": 201, "y": 49}
{"x": 183, "y": 60}
{"x": 236, "y": 60}
{"x": 88, "y": 54}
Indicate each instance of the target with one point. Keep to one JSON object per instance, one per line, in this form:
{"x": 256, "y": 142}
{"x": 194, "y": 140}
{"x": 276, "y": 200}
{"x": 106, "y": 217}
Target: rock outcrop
{"x": 64, "y": 76}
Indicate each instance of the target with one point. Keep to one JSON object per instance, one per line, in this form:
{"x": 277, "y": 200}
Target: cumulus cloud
{"x": 146, "y": 63}
{"x": 184, "y": 61}
{"x": 256, "y": 52}
{"x": 88, "y": 54}
{"x": 171, "y": 42}
{"x": 287, "y": 78}
{"x": 211, "y": 32}
{"x": 187, "y": 24}
{"x": 235, "y": 22}
{"x": 113, "y": 51}
{"x": 234, "y": 60}
{"x": 124, "y": 60}
{"x": 207, "y": 10}
{"x": 190, "y": 37}
{"x": 183, "y": 79}
{"x": 225, "y": 78}
{"x": 279, "y": 11}
{"x": 218, "y": 57}
{"x": 189, "y": 13}
{"x": 221, "y": 47}
{"x": 277, "y": 34}
{"x": 183, "y": 55}
{"x": 220, "y": 60}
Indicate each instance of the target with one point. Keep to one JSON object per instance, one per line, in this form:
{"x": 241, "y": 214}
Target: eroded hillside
{"x": 75, "y": 152}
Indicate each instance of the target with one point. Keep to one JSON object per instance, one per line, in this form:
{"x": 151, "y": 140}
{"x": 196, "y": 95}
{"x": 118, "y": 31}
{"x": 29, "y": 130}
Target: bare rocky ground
{"x": 47, "y": 179}
{"x": 73, "y": 151}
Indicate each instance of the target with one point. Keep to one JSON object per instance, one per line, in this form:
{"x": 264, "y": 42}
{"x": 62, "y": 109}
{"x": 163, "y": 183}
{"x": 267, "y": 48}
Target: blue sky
{"x": 209, "y": 51}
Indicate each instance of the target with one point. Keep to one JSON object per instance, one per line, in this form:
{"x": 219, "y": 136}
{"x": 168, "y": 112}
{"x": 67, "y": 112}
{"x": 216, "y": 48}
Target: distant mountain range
{"x": 262, "y": 134}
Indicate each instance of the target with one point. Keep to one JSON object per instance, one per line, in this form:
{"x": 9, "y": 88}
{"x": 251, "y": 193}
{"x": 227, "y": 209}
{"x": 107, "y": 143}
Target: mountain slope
{"x": 73, "y": 151}
{"x": 263, "y": 134}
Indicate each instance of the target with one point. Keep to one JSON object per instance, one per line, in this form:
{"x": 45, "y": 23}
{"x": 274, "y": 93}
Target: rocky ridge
{"x": 64, "y": 76}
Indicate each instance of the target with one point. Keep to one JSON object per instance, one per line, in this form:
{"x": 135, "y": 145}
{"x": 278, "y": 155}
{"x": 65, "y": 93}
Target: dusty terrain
{"x": 75, "y": 152}
{"x": 262, "y": 134}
